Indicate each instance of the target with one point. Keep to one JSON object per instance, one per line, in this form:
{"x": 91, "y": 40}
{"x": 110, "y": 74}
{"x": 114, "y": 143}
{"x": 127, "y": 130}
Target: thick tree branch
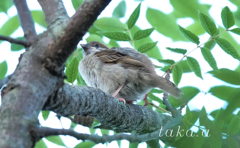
{"x": 71, "y": 100}
{"x": 76, "y": 27}
{"x": 83, "y": 120}
{"x": 81, "y": 100}
{"x": 15, "y": 41}
{"x": 54, "y": 10}
{"x": 39, "y": 75}
{"x": 26, "y": 19}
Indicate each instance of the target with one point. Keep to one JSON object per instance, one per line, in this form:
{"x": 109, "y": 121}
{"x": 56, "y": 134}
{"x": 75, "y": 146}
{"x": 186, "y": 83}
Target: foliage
{"x": 224, "y": 126}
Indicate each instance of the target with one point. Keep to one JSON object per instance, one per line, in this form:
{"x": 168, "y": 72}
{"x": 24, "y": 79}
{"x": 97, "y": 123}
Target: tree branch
{"x": 76, "y": 27}
{"x": 54, "y": 10}
{"x": 34, "y": 79}
{"x": 15, "y": 41}
{"x": 40, "y": 132}
{"x": 72, "y": 100}
{"x": 26, "y": 20}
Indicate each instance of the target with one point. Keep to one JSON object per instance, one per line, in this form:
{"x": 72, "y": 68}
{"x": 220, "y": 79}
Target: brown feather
{"x": 109, "y": 56}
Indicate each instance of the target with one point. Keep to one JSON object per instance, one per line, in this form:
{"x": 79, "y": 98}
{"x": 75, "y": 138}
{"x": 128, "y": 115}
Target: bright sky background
{"x": 210, "y": 102}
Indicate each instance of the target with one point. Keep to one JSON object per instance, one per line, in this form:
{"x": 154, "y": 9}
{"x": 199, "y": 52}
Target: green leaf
{"x": 177, "y": 74}
{"x": 153, "y": 97}
{"x": 120, "y": 10}
{"x": 39, "y": 18}
{"x": 13, "y": 22}
{"x": 189, "y": 35}
{"x": 227, "y": 47}
{"x": 72, "y": 70}
{"x": 210, "y": 44}
{"x": 45, "y": 114}
{"x": 203, "y": 119}
{"x": 188, "y": 94}
{"x": 235, "y": 30}
{"x": 147, "y": 47}
{"x": 177, "y": 50}
{"x": 86, "y": 144}
{"x": 94, "y": 37}
{"x": 226, "y": 93}
{"x": 167, "y": 61}
{"x": 234, "y": 126}
{"x": 133, "y": 17}
{"x": 76, "y": 3}
{"x": 118, "y": 36}
{"x": 40, "y": 144}
{"x": 55, "y": 139}
{"x": 216, "y": 141}
{"x": 189, "y": 118}
{"x": 158, "y": 91}
{"x": 104, "y": 131}
{"x": 199, "y": 140}
{"x": 17, "y": 47}
{"x": 185, "y": 66}
{"x": 5, "y": 5}
{"x": 113, "y": 43}
{"x": 227, "y": 17}
{"x": 110, "y": 24}
{"x": 94, "y": 29}
{"x": 133, "y": 145}
{"x": 184, "y": 9}
{"x": 195, "y": 67}
{"x": 158, "y": 19}
{"x": 80, "y": 80}
{"x": 230, "y": 38}
{"x": 232, "y": 142}
{"x": 227, "y": 75}
{"x": 92, "y": 131}
{"x": 4, "y": 68}
{"x": 141, "y": 34}
{"x": 197, "y": 27}
{"x": 207, "y": 55}
{"x": 153, "y": 53}
{"x": 207, "y": 24}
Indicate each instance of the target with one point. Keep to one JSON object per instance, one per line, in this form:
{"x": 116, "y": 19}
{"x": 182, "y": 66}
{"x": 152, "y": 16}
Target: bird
{"x": 122, "y": 72}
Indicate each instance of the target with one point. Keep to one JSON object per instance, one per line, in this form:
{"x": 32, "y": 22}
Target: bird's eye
{"x": 97, "y": 45}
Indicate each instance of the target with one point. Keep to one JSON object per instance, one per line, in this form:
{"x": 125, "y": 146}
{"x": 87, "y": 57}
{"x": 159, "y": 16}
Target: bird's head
{"x": 93, "y": 47}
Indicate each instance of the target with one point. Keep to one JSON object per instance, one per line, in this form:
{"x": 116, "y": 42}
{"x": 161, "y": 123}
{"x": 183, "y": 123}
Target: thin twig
{"x": 15, "y": 41}
{"x": 40, "y": 132}
{"x": 26, "y": 20}
{"x": 165, "y": 95}
{"x": 198, "y": 46}
{"x": 162, "y": 109}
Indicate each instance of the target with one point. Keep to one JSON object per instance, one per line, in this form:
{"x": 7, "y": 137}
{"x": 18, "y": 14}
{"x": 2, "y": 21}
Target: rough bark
{"x": 40, "y": 73}
{"x": 82, "y": 100}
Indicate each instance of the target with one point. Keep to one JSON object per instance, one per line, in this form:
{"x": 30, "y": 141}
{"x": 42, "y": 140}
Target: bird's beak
{"x": 85, "y": 47}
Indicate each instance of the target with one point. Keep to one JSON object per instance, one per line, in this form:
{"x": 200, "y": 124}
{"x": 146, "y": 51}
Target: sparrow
{"x": 122, "y": 72}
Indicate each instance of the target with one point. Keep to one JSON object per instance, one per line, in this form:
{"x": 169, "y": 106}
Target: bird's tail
{"x": 167, "y": 86}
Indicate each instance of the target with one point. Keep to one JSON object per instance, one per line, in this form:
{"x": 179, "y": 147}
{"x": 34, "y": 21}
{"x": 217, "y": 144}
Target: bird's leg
{"x": 145, "y": 100}
{"x": 116, "y": 93}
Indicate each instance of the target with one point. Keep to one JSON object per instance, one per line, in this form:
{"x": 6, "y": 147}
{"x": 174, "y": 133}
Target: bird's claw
{"x": 122, "y": 100}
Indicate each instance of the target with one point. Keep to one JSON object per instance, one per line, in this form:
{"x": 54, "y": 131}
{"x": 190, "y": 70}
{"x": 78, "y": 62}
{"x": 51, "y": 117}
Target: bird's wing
{"x": 109, "y": 56}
